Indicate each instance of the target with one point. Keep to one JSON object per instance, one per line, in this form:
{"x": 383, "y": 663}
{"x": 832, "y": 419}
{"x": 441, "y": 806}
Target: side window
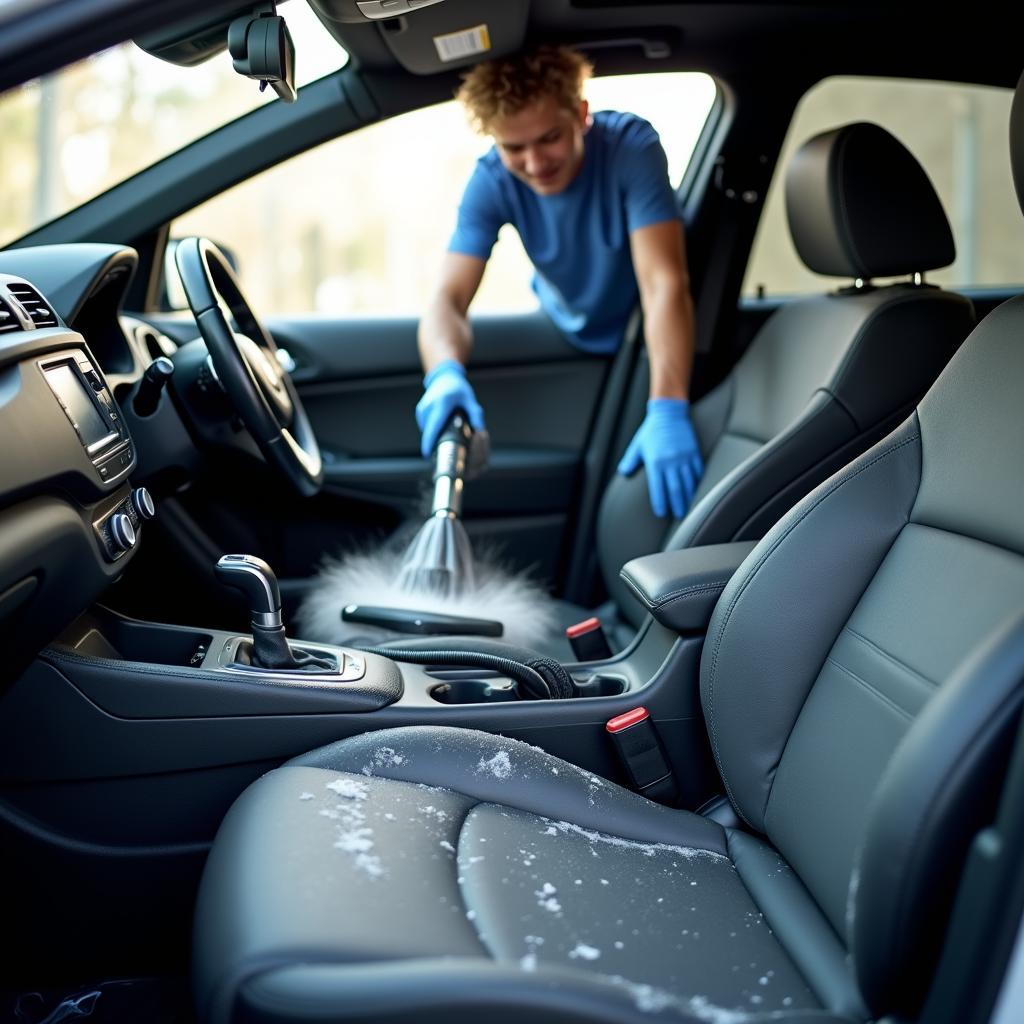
{"x": 358, "y": 225}
{"x": 957, "y": 132}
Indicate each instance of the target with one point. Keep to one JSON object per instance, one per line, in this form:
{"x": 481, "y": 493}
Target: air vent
{"x": 33, "y": 304}
{"x": 8, "y": 320}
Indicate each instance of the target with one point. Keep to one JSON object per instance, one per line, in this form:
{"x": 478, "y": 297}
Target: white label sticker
{"x": 467, "y": 43}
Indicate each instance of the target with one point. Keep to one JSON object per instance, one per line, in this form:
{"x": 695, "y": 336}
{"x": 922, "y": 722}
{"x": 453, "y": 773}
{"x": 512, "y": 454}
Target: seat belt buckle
{"x": 639, "y": 747}
{"x": 588, "y": 641}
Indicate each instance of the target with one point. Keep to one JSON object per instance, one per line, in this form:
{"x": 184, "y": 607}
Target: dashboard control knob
{"x": 122, "y": 532}
{"x": 142, "y": 501}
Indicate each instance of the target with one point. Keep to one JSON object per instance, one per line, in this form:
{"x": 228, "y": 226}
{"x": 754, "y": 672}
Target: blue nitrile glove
{"x": 666, "y": 444}
{"x": 445, "y": 390}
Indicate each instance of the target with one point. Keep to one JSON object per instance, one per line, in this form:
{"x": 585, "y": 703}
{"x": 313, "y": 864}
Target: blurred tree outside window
{"x": 358, "y": 225}
{"x": 72, "y": 135}
{"x": 956, "y": 131}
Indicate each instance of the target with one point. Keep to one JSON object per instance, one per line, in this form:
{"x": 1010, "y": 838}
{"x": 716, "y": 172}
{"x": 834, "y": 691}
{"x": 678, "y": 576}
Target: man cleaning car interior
{"x": 591, "y": 200}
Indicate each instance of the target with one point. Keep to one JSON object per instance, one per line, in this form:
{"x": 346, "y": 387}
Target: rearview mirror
{"x": 261, "y": 47}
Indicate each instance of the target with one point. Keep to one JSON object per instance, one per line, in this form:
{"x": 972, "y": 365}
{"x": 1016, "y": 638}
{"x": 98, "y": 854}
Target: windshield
{"x": 71, "y": 135}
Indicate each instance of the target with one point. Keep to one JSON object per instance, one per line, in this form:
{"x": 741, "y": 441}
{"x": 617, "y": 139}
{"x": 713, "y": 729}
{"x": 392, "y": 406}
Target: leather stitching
{"x": 873, "y": 690}
{"x": 693, "y": 591}
{"x": 872, "y": 646}
{"x": 644, "y": 599}
{"x": 132, "y": 667}
{"x": 741, "y": 590}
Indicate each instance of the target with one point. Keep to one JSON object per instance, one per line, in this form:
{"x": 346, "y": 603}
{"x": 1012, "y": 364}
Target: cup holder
{"x": 475, "y": 691}
{"x": 496, "y": 690}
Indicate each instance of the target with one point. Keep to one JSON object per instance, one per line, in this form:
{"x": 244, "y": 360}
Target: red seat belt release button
{"x": 622, "y": 722}
{"x": 639, "y": 747}
{"x": 588, "y": 641}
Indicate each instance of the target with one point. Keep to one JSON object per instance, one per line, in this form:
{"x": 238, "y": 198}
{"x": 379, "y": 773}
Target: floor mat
{"x": 112, "y": 1001}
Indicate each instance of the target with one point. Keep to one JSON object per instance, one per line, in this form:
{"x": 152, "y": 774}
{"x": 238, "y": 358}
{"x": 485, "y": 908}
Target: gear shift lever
{"x": 257, "y": 581}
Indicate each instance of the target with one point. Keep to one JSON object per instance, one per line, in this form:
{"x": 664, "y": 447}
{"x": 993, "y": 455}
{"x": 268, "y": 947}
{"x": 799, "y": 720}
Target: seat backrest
{"x": 826, "y": 376}
{"x": 859, "y": 681}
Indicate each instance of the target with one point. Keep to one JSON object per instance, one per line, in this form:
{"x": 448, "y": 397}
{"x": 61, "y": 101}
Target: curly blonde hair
{"x": 505, "y": 86}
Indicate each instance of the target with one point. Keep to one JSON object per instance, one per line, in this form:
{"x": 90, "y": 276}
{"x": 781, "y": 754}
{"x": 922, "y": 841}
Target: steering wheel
{"x": 244, "y": 357}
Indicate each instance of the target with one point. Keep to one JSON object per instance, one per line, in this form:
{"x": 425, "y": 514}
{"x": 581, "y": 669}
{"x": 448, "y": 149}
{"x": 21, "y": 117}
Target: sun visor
{"x": 429, "y": 36}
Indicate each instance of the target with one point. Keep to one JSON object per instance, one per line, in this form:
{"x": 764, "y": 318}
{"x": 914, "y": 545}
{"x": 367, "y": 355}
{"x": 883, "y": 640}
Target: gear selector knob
{"x": 270, "y": 647}
{"x": 257, "y": 581}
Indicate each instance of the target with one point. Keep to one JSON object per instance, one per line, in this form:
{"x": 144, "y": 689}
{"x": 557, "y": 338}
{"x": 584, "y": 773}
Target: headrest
{"x": 860, "y": 205}
{"x": 1017, "y": 141}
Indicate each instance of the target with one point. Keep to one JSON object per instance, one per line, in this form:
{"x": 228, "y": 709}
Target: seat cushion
{"x": 525, "y": 875}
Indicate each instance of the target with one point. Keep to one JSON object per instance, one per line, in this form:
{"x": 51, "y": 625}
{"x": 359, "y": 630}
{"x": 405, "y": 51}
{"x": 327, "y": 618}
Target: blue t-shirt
{"x": 578, "y": 239}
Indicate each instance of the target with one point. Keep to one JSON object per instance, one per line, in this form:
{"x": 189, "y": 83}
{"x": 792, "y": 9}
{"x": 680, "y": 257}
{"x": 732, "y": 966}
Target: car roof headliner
{"x": 805, "y": 40}
{"x": 801, "y": 41}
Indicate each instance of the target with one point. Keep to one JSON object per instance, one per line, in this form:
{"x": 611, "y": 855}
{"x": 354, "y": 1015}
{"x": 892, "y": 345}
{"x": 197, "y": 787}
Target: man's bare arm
{"x": 659, "y": 258}
{"x": 444, "y": 331}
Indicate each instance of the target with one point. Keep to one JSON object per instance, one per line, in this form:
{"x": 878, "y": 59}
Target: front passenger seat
{"x": 824, "y": 378}
{"x": 861, "y": 683}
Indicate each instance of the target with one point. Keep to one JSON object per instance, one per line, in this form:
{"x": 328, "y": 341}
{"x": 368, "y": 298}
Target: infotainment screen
{"x": 78, "y": 404}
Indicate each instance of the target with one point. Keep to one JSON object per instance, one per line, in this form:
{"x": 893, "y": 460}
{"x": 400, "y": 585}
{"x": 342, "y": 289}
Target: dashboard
{"x": 70, "y": 519}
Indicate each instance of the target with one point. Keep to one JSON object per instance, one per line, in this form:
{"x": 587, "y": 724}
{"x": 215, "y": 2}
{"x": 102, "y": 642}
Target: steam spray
{"x": 436, "y": 572}
{"x": 439, "y": 560}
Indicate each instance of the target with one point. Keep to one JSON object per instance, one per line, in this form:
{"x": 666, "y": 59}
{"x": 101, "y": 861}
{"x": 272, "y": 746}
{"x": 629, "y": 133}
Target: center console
{"x": 192, "y": 672}
{"x": 146, "y": 673}
{"x": 193, "y": 697}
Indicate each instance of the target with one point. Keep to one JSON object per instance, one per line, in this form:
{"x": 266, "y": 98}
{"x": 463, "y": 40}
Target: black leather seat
{"x": 860, "y": 681}
{"x": 826, "y": 376}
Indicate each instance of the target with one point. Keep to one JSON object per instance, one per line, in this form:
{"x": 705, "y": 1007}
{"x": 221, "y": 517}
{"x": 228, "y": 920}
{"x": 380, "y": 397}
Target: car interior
{"x": 787, "y": 784}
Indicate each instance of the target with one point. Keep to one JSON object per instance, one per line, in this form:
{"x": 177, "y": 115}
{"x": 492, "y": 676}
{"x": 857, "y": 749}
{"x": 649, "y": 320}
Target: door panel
{"x": 517, "y": 481}
{"x": 360, "y": 381}
{"x": 329, "y": 349}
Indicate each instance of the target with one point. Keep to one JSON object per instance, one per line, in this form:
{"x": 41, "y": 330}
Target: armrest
{"x": 681, "y": 588}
